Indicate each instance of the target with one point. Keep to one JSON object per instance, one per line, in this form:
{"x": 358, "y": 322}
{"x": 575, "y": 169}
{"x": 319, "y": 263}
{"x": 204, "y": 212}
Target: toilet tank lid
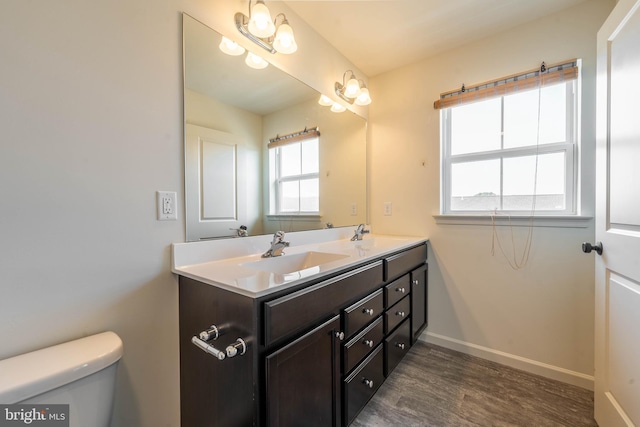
{"x": 31, "y": 374}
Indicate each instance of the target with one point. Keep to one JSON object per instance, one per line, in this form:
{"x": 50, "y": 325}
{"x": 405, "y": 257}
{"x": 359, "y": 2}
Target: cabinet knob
{"x": 237, "y": 348}
{"x": 400, "y": 345}
{"x": 209, "y": 334}
{"x": 368, "y": 343}
{"x": 401, "y": 290}
{"x": 340, "y": 335}
{"x": 368, "y": 311}
{"x": 368, "y": 383}
{"x": 400, "y": 313}
{"x": 414, "y": 282}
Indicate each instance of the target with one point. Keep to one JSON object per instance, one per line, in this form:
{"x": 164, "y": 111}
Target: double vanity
{"x": 304, "y": 338}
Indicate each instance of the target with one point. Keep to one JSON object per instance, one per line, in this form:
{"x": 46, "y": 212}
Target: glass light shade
{"x": 352, "y": 89}
{"x": 338, "y": 108}
{"x": 230, "y": 47}
{"x": 284, "y": 41}
{"x": 260, "y": 23}
{"x": 325, "y": 101}
{"x": 254, "y": 61}
{"x": 363, "y": 98}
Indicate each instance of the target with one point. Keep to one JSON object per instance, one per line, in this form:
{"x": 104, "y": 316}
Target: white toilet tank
{"x": 80, "y": 373}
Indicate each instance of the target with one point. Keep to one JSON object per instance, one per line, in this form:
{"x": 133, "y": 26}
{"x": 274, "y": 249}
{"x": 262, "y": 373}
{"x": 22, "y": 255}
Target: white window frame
{"x": 569, "y": 147}
{"x": 275, "y": 159}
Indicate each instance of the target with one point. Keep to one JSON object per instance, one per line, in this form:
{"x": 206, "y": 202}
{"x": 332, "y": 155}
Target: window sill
{"x": 295, "y": 217}
{"x": 561, "y": 221}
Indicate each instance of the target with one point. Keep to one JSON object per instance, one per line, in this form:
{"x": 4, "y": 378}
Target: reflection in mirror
{"x": 233, "y": 177}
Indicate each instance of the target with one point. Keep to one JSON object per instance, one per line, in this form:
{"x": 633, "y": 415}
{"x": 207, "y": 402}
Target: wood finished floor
{"x": 438, "y": 387}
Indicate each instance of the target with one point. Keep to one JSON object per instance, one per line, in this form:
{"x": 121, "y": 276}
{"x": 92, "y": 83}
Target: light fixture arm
{"x": 267, "y": 43}
{"x": 275, "y": 22}
{"x": 352, "y": 89}
{"x": 344, "y": 77}
{"x": 242, "y": 22}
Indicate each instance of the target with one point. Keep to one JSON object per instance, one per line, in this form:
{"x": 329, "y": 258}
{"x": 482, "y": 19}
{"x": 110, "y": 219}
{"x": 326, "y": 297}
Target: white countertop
{"x": 236, "y": 264}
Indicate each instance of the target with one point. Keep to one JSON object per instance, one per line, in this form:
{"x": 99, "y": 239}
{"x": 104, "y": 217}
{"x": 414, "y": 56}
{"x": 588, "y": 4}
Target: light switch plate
{"x": 166, "y": 205}
{"x": 387, "y": 208}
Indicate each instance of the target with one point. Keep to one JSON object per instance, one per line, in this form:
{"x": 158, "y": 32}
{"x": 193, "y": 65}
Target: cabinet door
{"x": 303, "y": 380}
{"x": 418, "y": 302}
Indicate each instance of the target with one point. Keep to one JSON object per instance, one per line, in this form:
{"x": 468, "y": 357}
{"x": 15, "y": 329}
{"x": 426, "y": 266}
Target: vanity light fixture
{"x": 353, "y": 89}
{"x": 325, "y": 101}
{"x": 260, "y": 24}
{"x": 230, "y": 47}
{"x": 255, "y": 61}
{"x": 267, "y": 34}
{"x": 338, "y": 108}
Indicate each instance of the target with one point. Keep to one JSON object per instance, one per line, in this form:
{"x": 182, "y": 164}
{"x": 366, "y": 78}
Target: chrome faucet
{"x": 277, "y": 245}
{"x": 241, "y": 232}
{"x": 359, "y": 232}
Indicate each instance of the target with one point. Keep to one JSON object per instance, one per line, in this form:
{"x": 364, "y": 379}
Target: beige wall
{"x": 539, "y": 318}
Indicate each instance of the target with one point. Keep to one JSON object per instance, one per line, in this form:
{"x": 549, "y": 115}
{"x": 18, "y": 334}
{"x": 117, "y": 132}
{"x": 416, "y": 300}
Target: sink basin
{"x": 285, "y": 264}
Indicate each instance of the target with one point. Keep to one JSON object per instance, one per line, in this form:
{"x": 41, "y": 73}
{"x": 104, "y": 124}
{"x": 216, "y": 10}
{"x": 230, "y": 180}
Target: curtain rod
{"x": 288, "y": 136}
{"x": 513, "y": 78}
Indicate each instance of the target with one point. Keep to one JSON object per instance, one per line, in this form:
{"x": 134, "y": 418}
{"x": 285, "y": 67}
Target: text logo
{"x": 34, "y": 415}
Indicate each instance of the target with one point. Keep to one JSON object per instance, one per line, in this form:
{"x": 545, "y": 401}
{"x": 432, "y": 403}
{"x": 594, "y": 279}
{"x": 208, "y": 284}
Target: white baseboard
{"x": 518, "y": 362}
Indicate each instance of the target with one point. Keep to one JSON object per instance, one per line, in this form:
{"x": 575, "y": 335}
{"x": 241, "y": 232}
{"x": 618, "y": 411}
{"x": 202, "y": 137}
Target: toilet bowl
{"x": 80, "y": 373}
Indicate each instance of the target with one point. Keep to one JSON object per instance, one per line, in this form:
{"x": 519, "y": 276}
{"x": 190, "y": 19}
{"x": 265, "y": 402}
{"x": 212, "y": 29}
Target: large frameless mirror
{"x": 254, "y": 162}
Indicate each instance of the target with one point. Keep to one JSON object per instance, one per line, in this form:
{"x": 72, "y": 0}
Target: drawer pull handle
{"x": 368, "y": 383}
{"x": 340, "y": 335}
{"x": 368, "y": 343}
{"x": 202, "y": 345}
{"x": 414, "y": 282}
{"x": 400, "y": 345}
{"x": 401, "y": 290}
{"x": 400, "y": 313}
{"x": 368, "y": 311}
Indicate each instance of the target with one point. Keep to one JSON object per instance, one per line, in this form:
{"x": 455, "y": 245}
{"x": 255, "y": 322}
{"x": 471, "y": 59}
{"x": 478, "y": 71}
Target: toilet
{"x": 80, "y": 373}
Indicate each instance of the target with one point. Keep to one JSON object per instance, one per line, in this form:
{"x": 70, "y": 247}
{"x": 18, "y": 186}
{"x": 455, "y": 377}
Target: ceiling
{"x": 380, "y": 35}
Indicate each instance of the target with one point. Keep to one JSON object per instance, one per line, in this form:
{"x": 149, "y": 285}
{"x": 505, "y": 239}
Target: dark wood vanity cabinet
{"x": 316, "y": 352}
{"x": 303, "y": 379}
{"x": 419, "y": 301}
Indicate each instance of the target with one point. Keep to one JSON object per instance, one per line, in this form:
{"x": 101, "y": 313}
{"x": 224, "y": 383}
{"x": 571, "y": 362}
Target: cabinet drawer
{"x": 397, "y": 289}
{"x": 396, "y": 346}
{"x": 396, "y": 314}
{"x": 356, "y": 349}
{"x": 302, "y": 309}
{"x": 363, "y": 383}
{"x": 363, "y": 312}
{"x": 397, "y": 265}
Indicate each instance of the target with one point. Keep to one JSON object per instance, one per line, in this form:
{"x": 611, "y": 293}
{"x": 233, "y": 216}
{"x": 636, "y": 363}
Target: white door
{"x": 222, "y": 184}
{"x": 617, "y": 328}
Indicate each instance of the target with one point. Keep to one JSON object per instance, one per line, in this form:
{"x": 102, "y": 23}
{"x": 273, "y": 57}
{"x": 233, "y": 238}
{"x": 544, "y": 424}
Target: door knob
{"x": 588, "y": 247}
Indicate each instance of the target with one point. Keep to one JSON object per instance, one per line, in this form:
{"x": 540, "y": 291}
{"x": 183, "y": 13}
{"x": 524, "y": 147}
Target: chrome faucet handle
{"x": 278, "y": 237}
{"x": 277, "y": 245}
{"x": 241, "y": 231}
{"x": 359, "y": 232}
